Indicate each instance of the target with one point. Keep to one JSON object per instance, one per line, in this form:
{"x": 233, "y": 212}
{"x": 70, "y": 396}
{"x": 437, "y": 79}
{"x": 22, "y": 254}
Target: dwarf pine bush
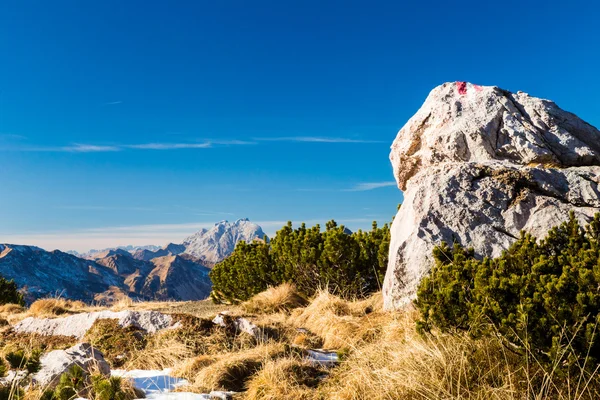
{"x": 9, "y": 293}
{"x": 352, "y": 265}
{"x": 542, "y": 298}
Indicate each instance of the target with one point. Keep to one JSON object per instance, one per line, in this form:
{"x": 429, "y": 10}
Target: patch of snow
{"x": 321, "y": 357}
{"x": 159, "y": 385}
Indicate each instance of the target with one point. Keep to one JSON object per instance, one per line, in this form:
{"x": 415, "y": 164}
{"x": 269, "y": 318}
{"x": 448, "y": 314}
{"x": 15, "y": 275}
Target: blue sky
{"x": 138, "y": 122}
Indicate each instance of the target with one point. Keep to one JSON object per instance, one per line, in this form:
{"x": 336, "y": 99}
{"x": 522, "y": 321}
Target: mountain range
{"x": 173, "y": 272}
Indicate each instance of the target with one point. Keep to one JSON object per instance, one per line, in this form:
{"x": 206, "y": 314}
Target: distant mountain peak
{"x": 175, "y": 271}
{"x": 215, "y": 244}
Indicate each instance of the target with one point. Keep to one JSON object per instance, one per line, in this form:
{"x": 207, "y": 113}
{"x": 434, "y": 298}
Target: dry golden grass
{"x": 11, "y": 340}
{"x": 307, "y": 340}
{"x": 337, "y": 322}
{"x": 401, "y": 364}
{"x": 232, "y": 370}
{"x": 281, "y": 298}
{"x": 11, "y": 309}
{"x": 195, "y": 337}
{"x": 188, "y": 369}
{"x": 383, "y": 355}
{"x": 200, "y": 309}
{"x": 162, "y": 351}
{"x": 284, "y": 378}
{"x": 55, "y": 307}
{"x": 124, "y": 303}
{"x": 12, "y": 313}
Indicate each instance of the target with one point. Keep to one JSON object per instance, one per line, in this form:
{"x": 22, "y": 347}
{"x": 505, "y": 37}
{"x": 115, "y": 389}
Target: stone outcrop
{"x": 57, "y": 362}
{"x": 78, "y": 324}
{"x": 239, "y": 324}
{"x": 479, "y": 164}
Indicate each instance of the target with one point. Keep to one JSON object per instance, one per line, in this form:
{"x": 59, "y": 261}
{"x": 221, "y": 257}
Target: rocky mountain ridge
{"x": 214, "y": 244}
{"x": 175, "y": 271}
{"x": 40, "y": 273}
{"x": 209, "y": 246}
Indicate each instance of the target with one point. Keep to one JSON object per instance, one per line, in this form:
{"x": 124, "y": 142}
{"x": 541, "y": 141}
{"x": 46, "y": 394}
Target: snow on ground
{"x": 324, "y": 358}
{"x": 159, "y": 385}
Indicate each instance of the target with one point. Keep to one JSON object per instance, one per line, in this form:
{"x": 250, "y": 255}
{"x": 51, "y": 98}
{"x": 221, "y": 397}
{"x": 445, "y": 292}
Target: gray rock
{"x": 57, "y": 362}
{"x": 78, "y": 324}
{"x": 13, "y": 377}
{"x": 239, "y": 324}
{"x": 477, "y": 166}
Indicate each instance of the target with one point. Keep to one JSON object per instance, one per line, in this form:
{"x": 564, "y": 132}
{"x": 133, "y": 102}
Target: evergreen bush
{"x": 9, "y": 293}
{"x": 348, "y": 264}
{"x": 542, "y": 298}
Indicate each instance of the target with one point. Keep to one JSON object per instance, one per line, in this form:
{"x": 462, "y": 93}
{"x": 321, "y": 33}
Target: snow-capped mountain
{"x": 209, "y": 246}
{"x": 215, "y": 244}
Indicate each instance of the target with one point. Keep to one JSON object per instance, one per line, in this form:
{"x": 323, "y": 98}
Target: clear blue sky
{"x": 140, "y": 121}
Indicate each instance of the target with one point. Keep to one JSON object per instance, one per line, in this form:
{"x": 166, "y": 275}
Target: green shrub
{"x": 19, "y": 359}
{"x": 16, "y": 359}
{"x": 9, "y": 293}
{"x": 2, "y": 368}
{"x": 71, "y": 384}
{"x": 116, "y": 343}
{"x": 347, "y": 264}
{"x": 47, "y": 395}
{"x": 109, "y": 388}
{"x": 542, "y": 298}
{"x": 11, "y": 392}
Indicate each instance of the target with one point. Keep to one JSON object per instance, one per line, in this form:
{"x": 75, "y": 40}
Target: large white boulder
{"x": 58, "y": 362}
{"x": 478, "y": 165}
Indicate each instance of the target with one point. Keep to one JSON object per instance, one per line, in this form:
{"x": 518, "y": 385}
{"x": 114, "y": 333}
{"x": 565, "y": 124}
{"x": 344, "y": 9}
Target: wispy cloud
{"x": 95, "y": 148}
{"x": 361, "y": 187}
{"x": 12, "y": 136}
{"x": 158, "y": 234}
{"x": 113, "y": 103}
{"x": 167, "y": 146}
{"x": 315, "y": 139}
{"x": 73, "y": 148}
{"x": 201, "y": 144}
{"x": 89, "y": 148}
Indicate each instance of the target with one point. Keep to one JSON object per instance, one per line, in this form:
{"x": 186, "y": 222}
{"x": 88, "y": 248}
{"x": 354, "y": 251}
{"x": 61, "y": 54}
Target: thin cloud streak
{"x": 362, "y": 187}
{"x": 206, "y": 144}
{"x": 315, "y": 139}
{"x": 74, "y": 148}
{"x": 113, "y": 103}
{"x": 12, "y": 136}
{"x": 92, "y": 148}
{"x": 167, "y": 146}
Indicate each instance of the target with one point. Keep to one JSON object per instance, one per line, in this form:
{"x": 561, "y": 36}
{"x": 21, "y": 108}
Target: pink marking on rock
{"x": 478, "y": 88}
{"x": 461, "y": 87}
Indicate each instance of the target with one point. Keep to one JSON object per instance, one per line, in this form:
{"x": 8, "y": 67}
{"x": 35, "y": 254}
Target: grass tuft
{"x": 56, "y": 307}
{"x": 281, "y": 298}
{"x": 285, "y": 378}
{"x": 232, "y": 370}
